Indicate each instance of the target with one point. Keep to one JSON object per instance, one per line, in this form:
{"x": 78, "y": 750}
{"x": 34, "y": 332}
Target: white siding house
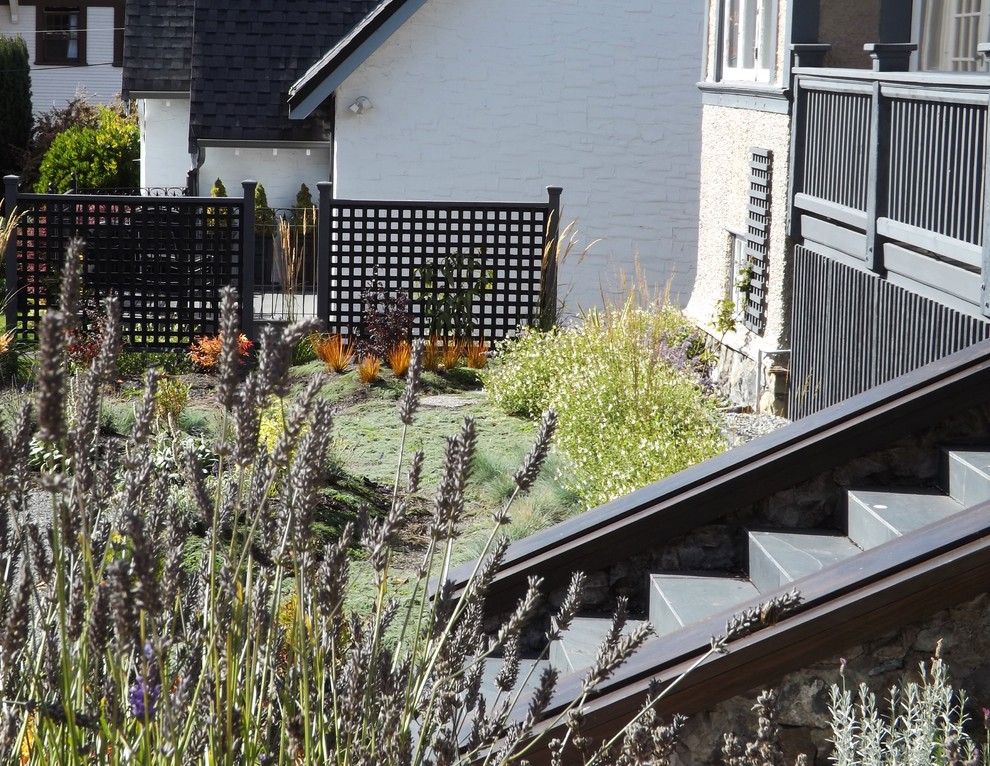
{"x": 495, "y": 101}
{"x": 72, "y": 48}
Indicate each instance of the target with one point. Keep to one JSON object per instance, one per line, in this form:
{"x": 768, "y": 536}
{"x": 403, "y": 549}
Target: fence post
{"x": 10, "y": 184}
{"x": 323, "y": 248}
{"x": 877, "y": 174}
{"x": 247, "y": 259}
{"x": 548, "y": 283}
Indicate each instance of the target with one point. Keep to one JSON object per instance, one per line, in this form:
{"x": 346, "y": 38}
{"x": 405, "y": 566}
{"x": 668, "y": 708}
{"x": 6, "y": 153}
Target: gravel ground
{"x": 741, "y": 427}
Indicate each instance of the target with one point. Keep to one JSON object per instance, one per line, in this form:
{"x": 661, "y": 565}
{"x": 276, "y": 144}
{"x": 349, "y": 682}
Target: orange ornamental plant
{"x": 451, "y": 353}
{"x": 205, "y": 350}
{"x": 369, "y": 368}
{"x": 399, "y": 357}
{"x": 476, "y": 354}
{"x": 335, "y": 351}
{"x": 431, "y": 355}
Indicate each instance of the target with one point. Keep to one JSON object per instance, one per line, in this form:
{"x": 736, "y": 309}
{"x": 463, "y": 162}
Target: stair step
{"x": 678, "y": 600}
{"x": 578, "y": 647}
{"x": 968, "y": 475}
{"x": 777, "y": 558}
{"x": 878, "y": 517}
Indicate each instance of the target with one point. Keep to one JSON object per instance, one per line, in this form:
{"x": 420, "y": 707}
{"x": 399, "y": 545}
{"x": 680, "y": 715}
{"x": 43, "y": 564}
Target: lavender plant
{"x": 113, "y": 650}
{"x": 924, "y": 723}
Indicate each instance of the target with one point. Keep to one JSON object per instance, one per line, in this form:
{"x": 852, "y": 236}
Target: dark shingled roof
{"x": 157, "y": 46}
{"x": 247, "y": 55}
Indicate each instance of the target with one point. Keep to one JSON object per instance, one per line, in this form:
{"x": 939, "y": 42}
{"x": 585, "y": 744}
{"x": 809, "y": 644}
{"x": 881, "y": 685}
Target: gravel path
{"x": 741, "y": 427}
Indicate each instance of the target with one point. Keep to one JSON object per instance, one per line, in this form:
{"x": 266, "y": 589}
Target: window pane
{"x": 61, "y": 34}
{"x": 732, "y": 27}
{"x": 951, "y": 31}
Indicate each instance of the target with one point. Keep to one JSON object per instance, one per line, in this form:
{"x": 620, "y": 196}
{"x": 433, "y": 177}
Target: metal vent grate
{"x": 758, "y": 238}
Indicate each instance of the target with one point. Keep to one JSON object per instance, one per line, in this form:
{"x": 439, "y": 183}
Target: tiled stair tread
{"x": 877, "y": 517}
{"x": 677, "y": 600}
{"x": 969, "y": 476}
{"x": 578, "y": 646}
{"x": 777, "y": 558}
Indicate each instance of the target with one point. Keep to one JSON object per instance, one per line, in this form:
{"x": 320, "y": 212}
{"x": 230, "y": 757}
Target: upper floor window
{"x": 61, "y": 34}
{"x": 950, "y": 33}
{"x": 748, "y": 34}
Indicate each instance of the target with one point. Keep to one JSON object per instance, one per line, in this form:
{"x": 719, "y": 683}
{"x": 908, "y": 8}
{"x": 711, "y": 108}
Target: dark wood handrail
{"x": 900, "y": 582}
{"x": 698, "y": 495}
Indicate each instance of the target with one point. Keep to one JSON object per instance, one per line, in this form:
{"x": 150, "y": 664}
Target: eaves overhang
{"x": 311, "y": 90}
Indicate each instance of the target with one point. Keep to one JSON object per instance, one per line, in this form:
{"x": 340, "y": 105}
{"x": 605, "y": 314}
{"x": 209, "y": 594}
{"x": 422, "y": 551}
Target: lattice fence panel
{"x": 399, "y": 244}
{"x": 165, "y": 258}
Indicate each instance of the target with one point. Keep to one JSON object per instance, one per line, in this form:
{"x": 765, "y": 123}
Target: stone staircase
{"x": 778, "y": 558}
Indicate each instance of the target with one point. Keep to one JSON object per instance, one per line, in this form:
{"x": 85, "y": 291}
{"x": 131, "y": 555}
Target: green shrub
{"x": 519, "y": 376}
{"x": 626, "y": 386}
{"x": 104, "y": 156}
{"x": 171, "y": 398}
{"x": 49, "y": 125}
{"x": 168, "y": 362}
{"x": 15, "y": 106}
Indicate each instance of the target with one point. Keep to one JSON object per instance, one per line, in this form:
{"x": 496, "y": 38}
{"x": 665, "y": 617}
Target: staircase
{"x": 778, "y": 558}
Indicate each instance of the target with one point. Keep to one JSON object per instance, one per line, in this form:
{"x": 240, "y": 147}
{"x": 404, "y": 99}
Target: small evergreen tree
{"x": 218, "y": 190}
{"x": 15, "y": 104}
{"x": 304, "y": 214}
{"x": 264, "y": 216}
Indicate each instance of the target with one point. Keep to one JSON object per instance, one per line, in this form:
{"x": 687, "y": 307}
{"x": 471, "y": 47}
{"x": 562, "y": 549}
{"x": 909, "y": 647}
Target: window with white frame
{"x": 950, "y": 33}
{"x": 748, "y": 36}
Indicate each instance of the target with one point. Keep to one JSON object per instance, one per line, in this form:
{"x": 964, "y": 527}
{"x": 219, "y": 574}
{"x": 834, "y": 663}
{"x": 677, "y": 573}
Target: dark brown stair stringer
{"x": 897, "y": 583}
{"x": 698, "y": 495}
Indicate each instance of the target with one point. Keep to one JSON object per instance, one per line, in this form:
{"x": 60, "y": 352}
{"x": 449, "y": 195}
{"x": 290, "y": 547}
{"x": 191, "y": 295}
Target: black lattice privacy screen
{"x": 165, "y": 258}
{"x": 405, "y": 245}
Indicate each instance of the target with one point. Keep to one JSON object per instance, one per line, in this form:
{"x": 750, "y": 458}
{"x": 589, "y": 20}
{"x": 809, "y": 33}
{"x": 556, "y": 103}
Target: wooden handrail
{"x": 698, "y": 495}
{"x": 900, "y": 582}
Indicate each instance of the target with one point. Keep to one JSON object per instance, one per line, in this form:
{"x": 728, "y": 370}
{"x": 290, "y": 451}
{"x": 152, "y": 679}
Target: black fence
{"x": 166, "y": 258}
{"x": 472, "y": 268}
{"x": 469, "y": 269}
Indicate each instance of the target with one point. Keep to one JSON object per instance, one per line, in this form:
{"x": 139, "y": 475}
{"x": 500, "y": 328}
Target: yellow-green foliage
{"x": 99, "y": 157}
{"x": 171, "y": 398}
{"x": 630, "y": 404}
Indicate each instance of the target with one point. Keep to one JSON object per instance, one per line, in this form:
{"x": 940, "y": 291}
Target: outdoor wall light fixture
{"x": 361, "y": 105}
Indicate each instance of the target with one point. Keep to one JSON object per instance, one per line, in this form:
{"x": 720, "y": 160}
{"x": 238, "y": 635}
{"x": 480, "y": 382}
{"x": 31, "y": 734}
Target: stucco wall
{"x": 281, "y": 171}
{"x": 495, "y": 101}
{"x": 164, "y": 127}
{"x": 55, "y": 85}
{"x": 727, "y": 135}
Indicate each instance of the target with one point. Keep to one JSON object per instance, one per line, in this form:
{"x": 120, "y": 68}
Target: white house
{"x": 445, "y": 99}
{"x": 73, "y": 47}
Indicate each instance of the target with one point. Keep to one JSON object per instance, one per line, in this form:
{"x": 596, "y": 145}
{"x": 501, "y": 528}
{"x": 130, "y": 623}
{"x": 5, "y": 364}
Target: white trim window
{"x": 951, "y": 30}
{"x": 748, "y": 39}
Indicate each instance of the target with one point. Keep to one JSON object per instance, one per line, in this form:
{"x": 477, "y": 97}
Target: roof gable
{"x": 311, "y": 90}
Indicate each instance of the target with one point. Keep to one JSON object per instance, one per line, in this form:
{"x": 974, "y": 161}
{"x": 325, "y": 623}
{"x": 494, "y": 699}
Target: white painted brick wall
{"x": 56, "y": 85}
{"x": 164, "y": 127}
{"x": 485, "y": 100}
